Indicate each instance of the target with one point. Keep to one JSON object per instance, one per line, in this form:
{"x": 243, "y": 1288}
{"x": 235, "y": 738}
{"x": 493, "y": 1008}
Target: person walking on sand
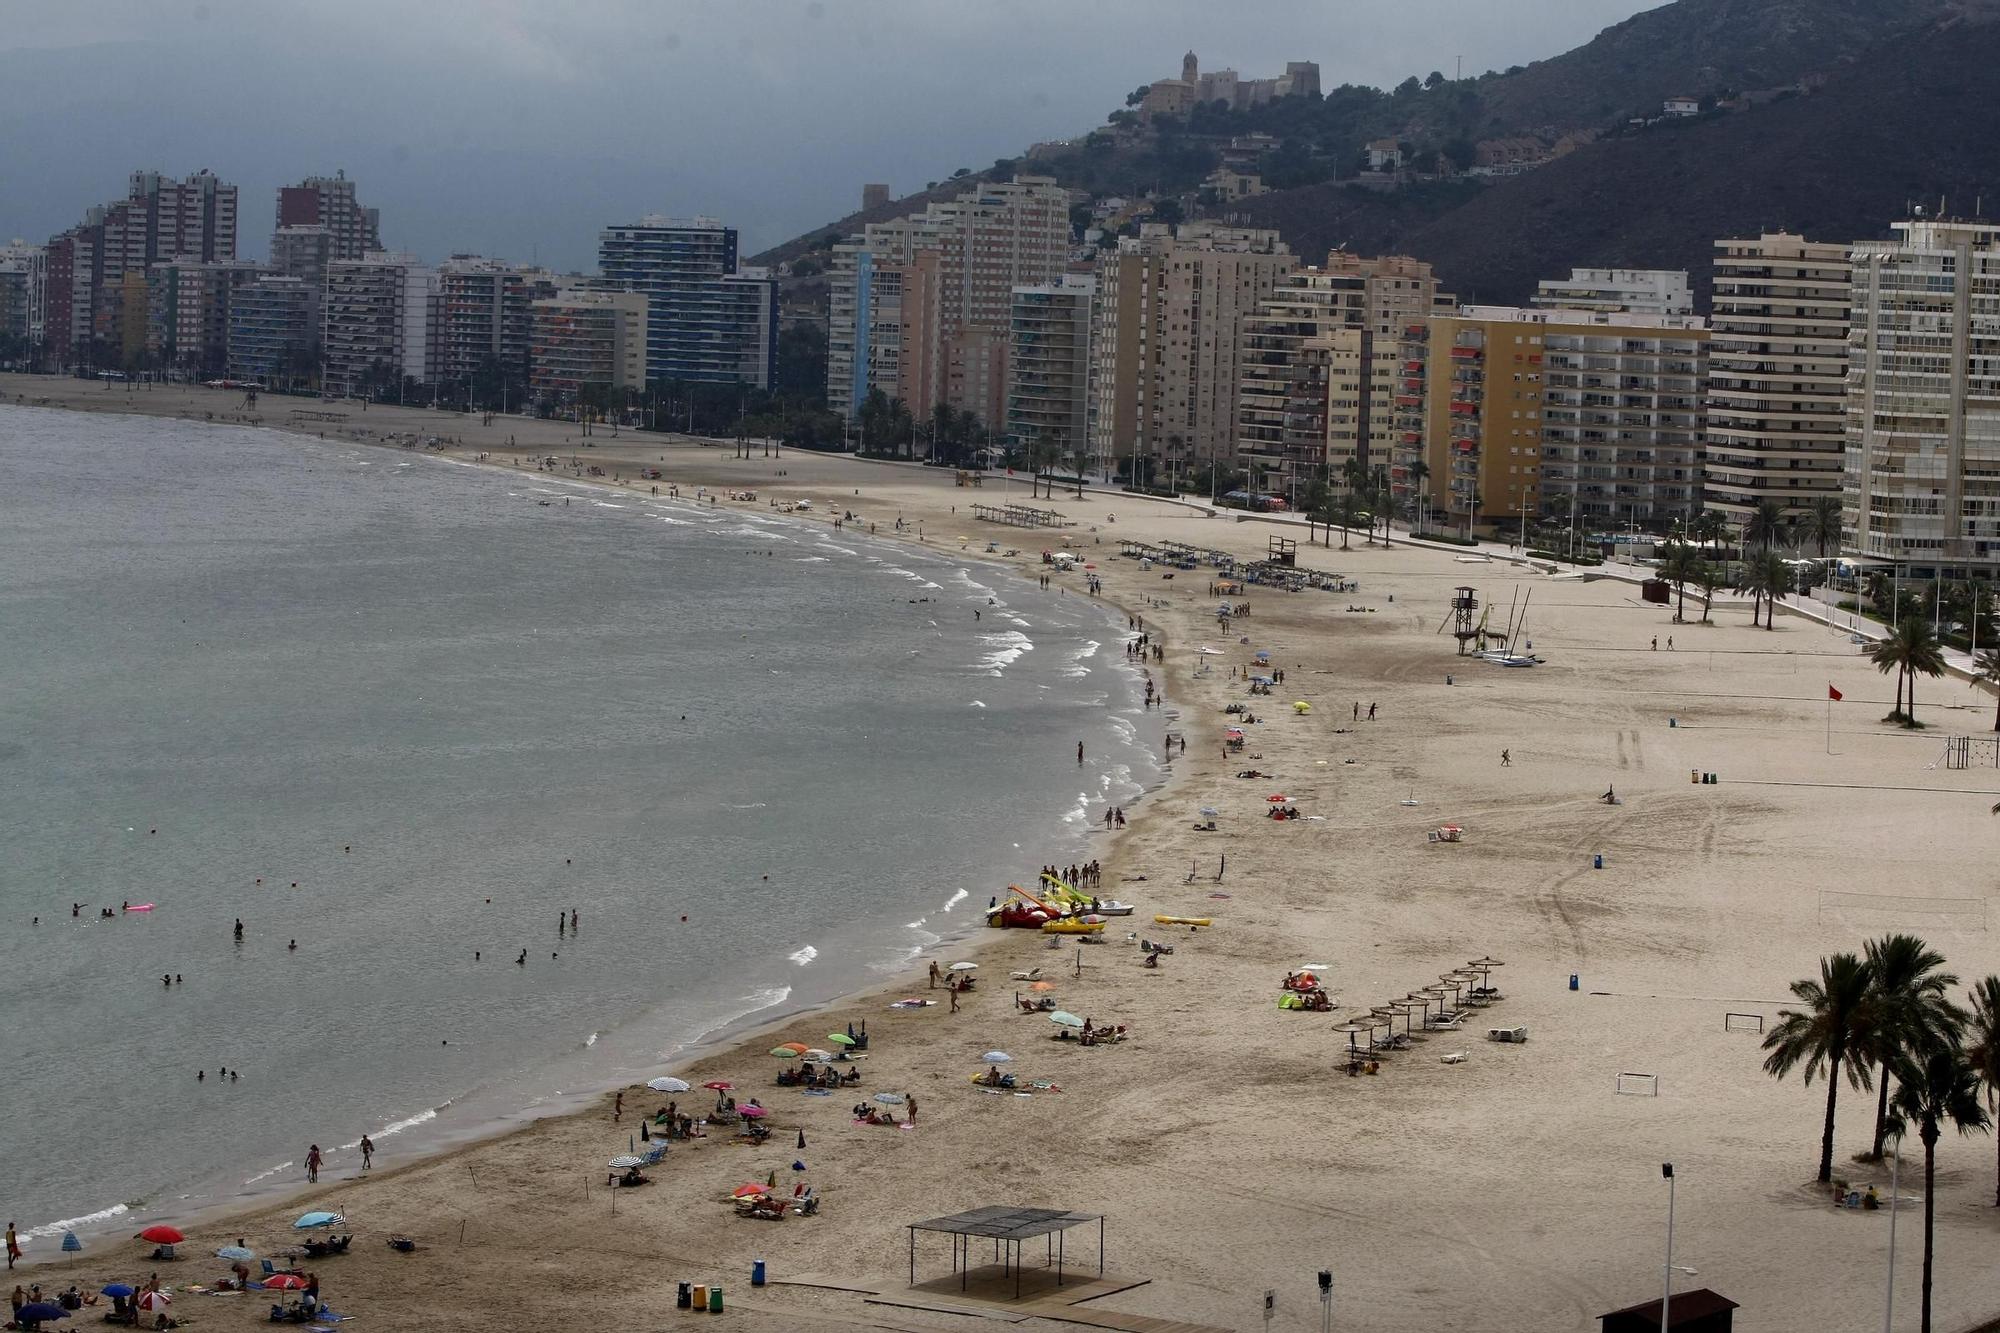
{"x": 1656, "y": 643}
{"x": 953, "y": 990}
{"x": 313, "y": 1159}
{"x": 935, "y": 974}
{"x": 618, "y": 1106}
{"x": 367, "y": 1152}
{"x": 910, "y": 1099}
{"x": 1371, "y": 712}
{"x": 1357, "y": 710}
{"x": 1506, "y": 759}
{"x": 1079, "y": 754}
{"x": 13, "y": 1245}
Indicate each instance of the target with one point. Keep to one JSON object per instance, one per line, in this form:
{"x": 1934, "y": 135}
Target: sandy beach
{"x": 1225, "y": 1142}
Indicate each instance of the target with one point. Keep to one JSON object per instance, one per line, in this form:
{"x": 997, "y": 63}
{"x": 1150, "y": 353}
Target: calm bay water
{"x": 450, "y": 712}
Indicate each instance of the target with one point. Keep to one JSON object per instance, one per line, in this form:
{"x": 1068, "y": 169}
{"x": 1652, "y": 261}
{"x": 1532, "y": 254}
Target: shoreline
{"x": 1515, "y": 1185}
{"x": 735, "y": 1037}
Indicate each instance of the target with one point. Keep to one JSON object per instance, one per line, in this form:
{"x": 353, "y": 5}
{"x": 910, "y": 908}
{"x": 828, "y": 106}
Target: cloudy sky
{"x": 518, "y": 127}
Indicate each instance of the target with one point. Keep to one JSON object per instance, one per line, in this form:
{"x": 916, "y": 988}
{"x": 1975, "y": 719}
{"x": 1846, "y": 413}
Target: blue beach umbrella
{"x": 119, "y": 1289}
{"x": 318, "y": 1220}
{"x": 236, "y": 1252}
{"x": 36, "y": 1312}
{"x": 70, "y": 1243}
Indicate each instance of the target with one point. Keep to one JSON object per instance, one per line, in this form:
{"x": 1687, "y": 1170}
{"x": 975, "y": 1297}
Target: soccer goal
{"x": 1742, "y": 1022}
{"x": 1638, "y": 1085}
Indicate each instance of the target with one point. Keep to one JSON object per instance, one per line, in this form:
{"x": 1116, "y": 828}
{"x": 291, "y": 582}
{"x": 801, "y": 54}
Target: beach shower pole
{"x": 1895, "y": 1174}
{"x": 1667, "y": 1170}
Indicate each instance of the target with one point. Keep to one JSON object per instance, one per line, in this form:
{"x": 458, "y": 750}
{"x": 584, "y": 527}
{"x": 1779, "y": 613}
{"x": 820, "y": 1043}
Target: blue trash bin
{"x": 756, "y": 1272}
{"x": 1597, "y": 862}
{"x": 1572, "y": 981}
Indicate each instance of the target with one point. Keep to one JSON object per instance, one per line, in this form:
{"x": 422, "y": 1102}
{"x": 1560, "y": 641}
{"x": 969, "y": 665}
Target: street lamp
{"x": 1667, "y": 1170}
{"x": 1895, "y": 1181}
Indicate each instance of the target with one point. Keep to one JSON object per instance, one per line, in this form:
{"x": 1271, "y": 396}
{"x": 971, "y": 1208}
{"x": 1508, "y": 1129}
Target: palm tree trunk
{"x": 1930, "y": 1138}
{"x": 1996, "y": 710}
{"x": 1826, "y": 1135}
{"x": 1881, "y": 1111}
{"x": 1913, "y": 696}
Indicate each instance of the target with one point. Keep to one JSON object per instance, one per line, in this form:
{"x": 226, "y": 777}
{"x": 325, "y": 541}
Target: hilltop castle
{"x": 1176, "y": 97}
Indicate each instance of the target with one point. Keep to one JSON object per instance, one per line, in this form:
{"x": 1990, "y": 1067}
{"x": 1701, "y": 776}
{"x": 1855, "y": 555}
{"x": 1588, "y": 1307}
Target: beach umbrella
{"x": 785, "y": 1052}
{"x": 1210, "y": 811}
{"x": 667, "y": 1085}
{"x": 161, "y": 1234}
{"x": 70, "y": 1243}
{"x": 752, "y": 1112}
{"x": 624, "y": 1162}
{"x": 963, "y": 967}
{"x": 1041, "y": 985}
{"x": 118, "y": 1290}
{"x": 718, "y": 1085}
{"x": 284, "y": 1282}
{"x": 840, "y": 1039}
{"x": 817, "y": 1054}
{"x": 793, "y": 1045}
{"x": 319, "y": 1219}
{"x": 1300, "y": 706}
{"x": 996, "y": 1057}
{"x": 750, "y": 1191}
{"x": 1066, "y": 1018}
{"x": 36, "y": 1312}
{"x": 889, "y": 1098}
{"x": 156, "y": 1300}
{"x": 1278, "y": 798}
{"x": 236, "y": 1252}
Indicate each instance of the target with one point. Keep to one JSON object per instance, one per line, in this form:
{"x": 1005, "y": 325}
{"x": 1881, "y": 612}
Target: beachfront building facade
{"x": 353, "y": 232}
{"x": 81, "y": 299}
{"x": 588, "y": 340}
{"x": 1320, "y": 370}
{"x": 188, "y": 314}
{"x": 1922, "y": 477}
{"x": 1777, "y": 375}
{"x": 482, "y": 321}
{"x": 19, "y": 264}
{"x": 920, "y": 307}
{"x": 1048, "y": 364}
{"x": 1164, "y": 344}
{"x": 375, "y": 322}
{"x": 1632, "y": 291}
{"x": 706, "y": 321}
{"x": 274, "y": 332}
{"x": 1590, "y": 414}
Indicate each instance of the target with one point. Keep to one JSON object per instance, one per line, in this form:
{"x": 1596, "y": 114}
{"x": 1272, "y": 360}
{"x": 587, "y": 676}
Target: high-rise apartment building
{"x": 375, "y": 321}
{"x": 19, "y": 262}
{"x": 1922, "y": 481}
{"x": 1634, "y": 291}
{"x": 353, "y": 232}
{"x": 705, "y": 321}
{"x": 188, "y": 313}
{"x": 1777, "y": 374}
{"x": 1321, "y": 369}
{"x": 482, "y": 319}
{"x": 920, "y": 307}
{"x": 1542, "y": 409}
{"x": 586, "y": 339}
{"x": 1164, "y": 346}
{"x": 1048, "y": 361}
{"x": 272, "y": 334}
{"x": 82, "y": 300}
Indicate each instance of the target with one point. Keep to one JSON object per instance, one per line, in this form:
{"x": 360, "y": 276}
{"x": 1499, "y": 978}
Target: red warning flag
{"x": 1833, "y": 694}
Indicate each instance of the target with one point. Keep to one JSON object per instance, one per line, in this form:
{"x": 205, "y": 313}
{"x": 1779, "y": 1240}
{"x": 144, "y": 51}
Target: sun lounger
{"x": 1455, "y": 1058}
{"x": 1509, "y": 1035}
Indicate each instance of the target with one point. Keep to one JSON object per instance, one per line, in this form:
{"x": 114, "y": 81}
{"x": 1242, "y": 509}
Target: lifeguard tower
{"x": 1464, "y": 602}
{"x": 1283, "y": 551}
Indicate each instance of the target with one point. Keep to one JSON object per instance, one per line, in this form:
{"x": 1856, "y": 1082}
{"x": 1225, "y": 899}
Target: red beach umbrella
{"x": 284, "y": 1282}
{"x": 719, "y": 1085}
{"x": 162, "y": 1234}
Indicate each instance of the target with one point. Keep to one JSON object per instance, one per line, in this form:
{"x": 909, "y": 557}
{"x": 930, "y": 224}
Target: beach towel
{"x": 817, "y": 1092}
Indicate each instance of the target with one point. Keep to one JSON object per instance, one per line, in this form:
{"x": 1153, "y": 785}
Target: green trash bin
{"x": 715, "y": 1300}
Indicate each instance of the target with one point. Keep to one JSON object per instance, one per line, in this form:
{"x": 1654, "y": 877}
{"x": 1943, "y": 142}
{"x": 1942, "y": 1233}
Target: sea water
{"x": 401, "y": 716}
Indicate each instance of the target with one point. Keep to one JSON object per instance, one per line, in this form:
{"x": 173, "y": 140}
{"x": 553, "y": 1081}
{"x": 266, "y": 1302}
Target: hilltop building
{"x": 1176, "y": 97}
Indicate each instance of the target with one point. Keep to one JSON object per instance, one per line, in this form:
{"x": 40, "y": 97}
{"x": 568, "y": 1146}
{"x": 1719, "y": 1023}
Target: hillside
{"x": 1689, "y": 47}
{"x": 1905, "y": 125}
{"x": 1696, "y": 48}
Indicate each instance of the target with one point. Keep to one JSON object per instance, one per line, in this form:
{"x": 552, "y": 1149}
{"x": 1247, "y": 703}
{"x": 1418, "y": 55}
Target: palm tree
{"x": 1766, "y": 526}
{"x": 1346, "y": 508}
{"x": 1682, "y": 566}
{"x": 1937, "y": 1089}
{"x": 1983, "y": 1048}
{"x": 1821, "y": 524}
{"x": 1420, "y": 472}
{"x": 1911, "y": 1014}
{"x": 1988, "y": 668}
{"x": 1825, "y": 1037}
{"x": 1912, "y": 649}
{"x": 1765, "y": 578}
{"x": 1710, "y": 578}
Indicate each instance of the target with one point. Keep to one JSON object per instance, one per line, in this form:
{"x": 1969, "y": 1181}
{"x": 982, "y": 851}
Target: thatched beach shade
{"x": 1483, "y": 966}
{"x": 1383, "y": 1016}
{"x": 1351, "y": 1029}
{"x": 1423, "y": 1001}
{"x": 1402, "y": 1007}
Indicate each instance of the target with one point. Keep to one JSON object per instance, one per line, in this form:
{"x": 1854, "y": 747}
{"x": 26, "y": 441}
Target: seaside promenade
{"x": 1225, "y": 1143}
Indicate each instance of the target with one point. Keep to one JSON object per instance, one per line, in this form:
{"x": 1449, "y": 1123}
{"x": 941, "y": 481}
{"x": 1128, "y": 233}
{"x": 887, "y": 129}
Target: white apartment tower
{"x": 1922, "y": 481}
{"x": 1777, "y": 374}
{"x": 1634, "y": 291}
{"x": 376, "y": 322}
